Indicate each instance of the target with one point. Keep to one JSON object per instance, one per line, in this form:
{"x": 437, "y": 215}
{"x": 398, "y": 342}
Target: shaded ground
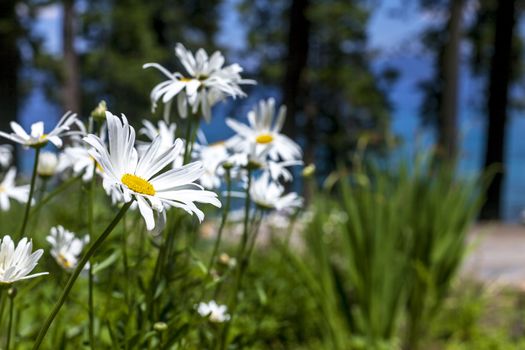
{"x": 497, "y": 254}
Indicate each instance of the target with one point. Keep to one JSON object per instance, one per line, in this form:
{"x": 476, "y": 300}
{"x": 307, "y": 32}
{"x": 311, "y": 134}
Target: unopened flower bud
{"x": 99, "y": 113}
{"x": 309, "y": 170}
{"x": 253, "y": 165}
{"x": 227, "y": 165}
{"x": 224, "y": 259}
{"x": 160, "y": 326}
{"x": 47, "y": 164}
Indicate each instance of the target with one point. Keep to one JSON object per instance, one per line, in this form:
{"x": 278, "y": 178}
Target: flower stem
{"x": 89, "y": 253}
{"x": 187, "y": 142}
{"x": 247, "y": 201}
{"x": 12, "y": 294}
{"x": 240, "y": 269}
{"x": 91, "y": 206}
{"x": 31, "y": 191}
{"x": 223, "y": 220}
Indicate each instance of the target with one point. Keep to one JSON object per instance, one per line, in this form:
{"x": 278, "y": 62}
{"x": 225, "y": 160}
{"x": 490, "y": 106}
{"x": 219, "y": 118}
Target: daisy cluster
{"x": 161, "y": 170}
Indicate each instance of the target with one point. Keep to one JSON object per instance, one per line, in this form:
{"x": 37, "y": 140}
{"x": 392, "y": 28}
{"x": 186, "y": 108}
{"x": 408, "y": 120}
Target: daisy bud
{"x": 227, "y": 165}
{"x": 160, "y": 326}
{"x": 99, "y": 113}
{"x": 47, "y": 164}
{"x": 224, "y": 259}
{"x": 253, "y": 165}
{"x": 309, "y": 170}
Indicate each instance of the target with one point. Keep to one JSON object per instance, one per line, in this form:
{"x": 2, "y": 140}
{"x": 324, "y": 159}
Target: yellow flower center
{"x": 264, "y": 138}
{"x": 185, "y": 80}
{"x": 39, "y": 142}
{"x": 2, "y": 189}
{"x": 62, "y": 260}
{"x": 138, "y": 184}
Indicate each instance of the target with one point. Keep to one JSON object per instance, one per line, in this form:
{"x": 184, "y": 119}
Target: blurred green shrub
{"x": 380, "y": 257}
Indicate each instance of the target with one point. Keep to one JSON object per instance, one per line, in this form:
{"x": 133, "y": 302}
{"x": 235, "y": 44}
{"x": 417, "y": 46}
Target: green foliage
{"x": 387, "y": 252}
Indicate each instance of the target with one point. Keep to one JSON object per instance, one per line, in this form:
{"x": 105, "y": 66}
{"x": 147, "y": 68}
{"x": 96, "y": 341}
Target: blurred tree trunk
{"x": 10, "y": 63}
{"x": 498, "y": 93}
{"x": 296, "y": 60}
{"x": 71, "y": 88}
{"x": 447, "y": 122}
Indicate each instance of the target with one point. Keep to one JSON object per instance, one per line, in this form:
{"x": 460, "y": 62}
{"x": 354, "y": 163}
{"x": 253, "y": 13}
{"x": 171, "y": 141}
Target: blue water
{"x": 404, "y": 124}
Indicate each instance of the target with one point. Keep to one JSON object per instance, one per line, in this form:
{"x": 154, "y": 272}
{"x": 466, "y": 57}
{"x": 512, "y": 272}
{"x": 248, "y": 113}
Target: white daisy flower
{"x": 278, "y": 170}
{"x": 16, "y": 264}
{"x": 257, "y": 158}
{"x": 6, "y": 155}
{"x": 212, "y": 157}
{"x": 66, "y": 247}
{"x": 213, "y": 311}
{"x": 47, "y": 164}
{"x": 253, "y": 157}
{"x": 8, "y": 189}
{"x": 206, "y": 82}
{"x": 263, "y": 132}
{"x": 140, "y": 178}
{"x": 38, "y": 138}
{"x": 268, "y": 194}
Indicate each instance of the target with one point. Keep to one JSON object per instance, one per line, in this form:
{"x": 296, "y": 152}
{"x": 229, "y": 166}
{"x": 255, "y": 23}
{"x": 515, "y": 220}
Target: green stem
{"x": 256, "y": 223}
{"x": 125, "y": 263}
{"x": 3, "y": 293}
{"x": 91, "y": 309}
{"x": 291, "y": 228}
{"x": 31, "y": 191}
{"x": 89, "y": 253}
{"x": 12, "y": 293}
{"x": 247, "y": 201}
{"x": 223, "y": 220}
{"x": 191, "y": 135}
{"x": 240, "y": 254}
{"x": 187, "y": 142}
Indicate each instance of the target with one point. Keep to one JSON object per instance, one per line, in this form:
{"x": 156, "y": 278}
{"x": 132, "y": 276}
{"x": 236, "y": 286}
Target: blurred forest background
{"x": 396, "y": 76}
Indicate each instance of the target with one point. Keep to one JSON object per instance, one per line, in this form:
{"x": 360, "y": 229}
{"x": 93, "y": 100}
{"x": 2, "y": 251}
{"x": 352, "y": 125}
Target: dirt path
{"x": 497, "y": 254}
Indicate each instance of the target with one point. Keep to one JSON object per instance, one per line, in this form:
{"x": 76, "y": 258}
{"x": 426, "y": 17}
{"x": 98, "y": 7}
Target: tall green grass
{"x": 382, "y": 272}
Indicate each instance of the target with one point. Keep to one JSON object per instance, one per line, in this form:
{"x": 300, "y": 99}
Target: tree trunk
{"x": 447, "y": 123}
{"x": 500, "y": 75}
{"x": 9, "y": 65}
{"x": 295, "y": 62}
{"x": 71, "y": 88}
